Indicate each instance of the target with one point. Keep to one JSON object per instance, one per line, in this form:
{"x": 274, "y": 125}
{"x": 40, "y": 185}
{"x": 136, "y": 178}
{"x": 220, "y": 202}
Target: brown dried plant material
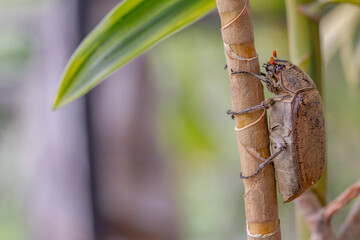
{"x": 246, "y": 91}
{"x": 351, "y": 228}
{"x": 318, "y": 218}
{"x": 342, "y": 200}
{"x": 313, "y": 213}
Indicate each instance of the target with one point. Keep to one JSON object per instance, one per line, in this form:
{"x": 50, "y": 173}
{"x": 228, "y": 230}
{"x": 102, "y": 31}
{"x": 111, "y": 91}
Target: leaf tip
{"x": 56, "y": 105}
{"x": 58, "y": 102}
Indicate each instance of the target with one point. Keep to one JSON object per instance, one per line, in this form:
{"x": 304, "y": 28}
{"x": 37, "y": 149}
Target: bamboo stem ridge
{"x": 246, "y": 91}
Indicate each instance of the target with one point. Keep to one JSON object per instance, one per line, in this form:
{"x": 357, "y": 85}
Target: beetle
{"x": 296, "y": 127}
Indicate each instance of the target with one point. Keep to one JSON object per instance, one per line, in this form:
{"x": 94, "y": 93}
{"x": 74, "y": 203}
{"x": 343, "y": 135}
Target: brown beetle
{"x": 297, "y": 127}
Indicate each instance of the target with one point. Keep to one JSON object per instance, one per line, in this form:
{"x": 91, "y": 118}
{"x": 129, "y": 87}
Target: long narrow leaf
{"x": 127, "y": 31}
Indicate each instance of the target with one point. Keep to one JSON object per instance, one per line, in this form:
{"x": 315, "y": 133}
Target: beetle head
{"x": 273, "y": 69}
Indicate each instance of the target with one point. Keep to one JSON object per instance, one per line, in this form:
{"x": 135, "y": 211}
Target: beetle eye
{"x": 279, "y": 67}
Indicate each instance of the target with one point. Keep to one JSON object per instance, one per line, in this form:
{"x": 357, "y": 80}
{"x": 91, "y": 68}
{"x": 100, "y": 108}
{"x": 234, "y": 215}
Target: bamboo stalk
{"x": 246, "y": 91}
{"x": 304, "y": 46}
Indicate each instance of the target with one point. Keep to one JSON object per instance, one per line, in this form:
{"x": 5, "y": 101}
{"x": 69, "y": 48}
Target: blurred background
{"x": 150, "y": 153}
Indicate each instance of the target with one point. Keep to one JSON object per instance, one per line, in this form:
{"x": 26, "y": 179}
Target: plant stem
{"x": 304, "y": 46}
{"x": 351, "y": 227}
{"x": 246, "y": 91}
{"x": 314, "y": 8}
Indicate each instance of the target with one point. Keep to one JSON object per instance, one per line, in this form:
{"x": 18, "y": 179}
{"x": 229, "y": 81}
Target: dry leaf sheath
{"x": 246, "y": 91}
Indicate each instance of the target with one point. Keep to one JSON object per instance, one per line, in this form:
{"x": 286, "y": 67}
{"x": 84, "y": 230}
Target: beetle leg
{"x": 265, "y": 80}
{"x": 282, "y": 145}
{"x": 263, "y": 105}
{"x": 252, "y": 109}
{"x": 265, "y": 162}
{"x": 276, "y": 138}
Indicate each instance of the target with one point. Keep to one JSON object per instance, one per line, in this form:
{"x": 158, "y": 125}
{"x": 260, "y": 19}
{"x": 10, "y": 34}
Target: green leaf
{"x": 127, "y": 31}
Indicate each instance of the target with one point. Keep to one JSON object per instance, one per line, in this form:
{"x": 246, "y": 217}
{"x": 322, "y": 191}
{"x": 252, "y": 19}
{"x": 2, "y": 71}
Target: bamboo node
{"x": 251, "y": 124}
{"x": 237, "y": 17}
{"x": 233, "y": 55}
{"x": 259, "y": 236}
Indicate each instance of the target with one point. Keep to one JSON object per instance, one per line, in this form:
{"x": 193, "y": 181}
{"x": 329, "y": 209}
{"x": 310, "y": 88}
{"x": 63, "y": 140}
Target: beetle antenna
{"x": 272, "y": 61}
{"x": 253, "y": 74}
{"x": 275, "y": 54}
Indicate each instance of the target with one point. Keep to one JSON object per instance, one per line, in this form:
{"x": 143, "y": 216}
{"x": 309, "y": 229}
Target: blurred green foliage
{"x": 16, "y": 3}
{"x": 271, "y": 7}
{"x": 14, "y": 54}
{"x": 196, "y": 136}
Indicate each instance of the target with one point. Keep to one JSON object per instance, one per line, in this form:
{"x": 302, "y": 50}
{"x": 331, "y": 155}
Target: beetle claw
{"x": 229, "y": 112}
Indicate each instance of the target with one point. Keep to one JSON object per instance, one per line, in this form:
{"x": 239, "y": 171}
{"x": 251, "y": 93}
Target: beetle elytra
{"x": 296, "y": 127}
